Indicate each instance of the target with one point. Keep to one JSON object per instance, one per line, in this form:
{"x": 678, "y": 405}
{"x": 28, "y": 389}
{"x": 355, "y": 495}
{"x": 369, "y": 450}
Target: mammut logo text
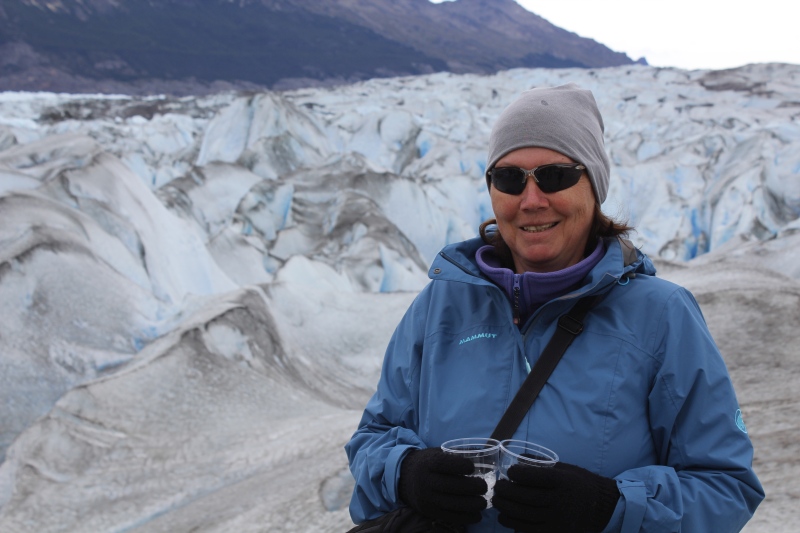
{"x": 478, "y": 336}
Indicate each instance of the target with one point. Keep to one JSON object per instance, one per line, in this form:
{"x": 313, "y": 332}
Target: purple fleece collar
{"x": 535, "y": 288}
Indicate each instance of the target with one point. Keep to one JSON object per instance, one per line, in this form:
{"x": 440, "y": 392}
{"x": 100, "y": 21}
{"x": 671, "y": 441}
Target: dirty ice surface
{"x": 195, "y": 293}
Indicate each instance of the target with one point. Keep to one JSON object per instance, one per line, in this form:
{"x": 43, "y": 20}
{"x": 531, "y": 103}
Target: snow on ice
{"x": 195, "y": 293}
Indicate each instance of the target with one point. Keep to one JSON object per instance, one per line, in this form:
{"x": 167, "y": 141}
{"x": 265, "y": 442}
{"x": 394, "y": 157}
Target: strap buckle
{"x": 571, "y": 325}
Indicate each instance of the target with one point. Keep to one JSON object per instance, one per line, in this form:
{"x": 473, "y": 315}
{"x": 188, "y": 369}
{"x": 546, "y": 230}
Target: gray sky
{"x": 689, "y": 34}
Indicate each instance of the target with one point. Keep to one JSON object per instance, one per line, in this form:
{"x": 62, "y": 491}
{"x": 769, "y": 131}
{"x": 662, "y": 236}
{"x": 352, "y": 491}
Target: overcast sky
{"x": 689, "y": 34}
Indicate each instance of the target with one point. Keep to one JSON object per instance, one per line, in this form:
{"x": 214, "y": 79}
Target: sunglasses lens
{"x": 510, "y": 180}
{"x": 552, "y": 178}
{"x": 549, "y": 178}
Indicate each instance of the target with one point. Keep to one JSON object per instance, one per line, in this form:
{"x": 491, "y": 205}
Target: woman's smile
{"x": 538, "y": 229}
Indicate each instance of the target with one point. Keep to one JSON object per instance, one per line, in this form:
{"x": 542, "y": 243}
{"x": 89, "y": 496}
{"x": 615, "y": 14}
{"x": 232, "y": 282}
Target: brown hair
{"x": 602, "y": 227}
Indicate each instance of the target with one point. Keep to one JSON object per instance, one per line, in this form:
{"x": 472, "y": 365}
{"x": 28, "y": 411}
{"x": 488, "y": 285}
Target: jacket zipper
{"x": 517, "y": 281}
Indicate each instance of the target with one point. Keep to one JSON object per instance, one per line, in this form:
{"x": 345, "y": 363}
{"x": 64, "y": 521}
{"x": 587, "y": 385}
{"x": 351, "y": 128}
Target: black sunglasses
{"x": 549, "y": 178}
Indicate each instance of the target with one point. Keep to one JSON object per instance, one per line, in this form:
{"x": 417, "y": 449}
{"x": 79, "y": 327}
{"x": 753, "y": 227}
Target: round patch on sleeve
{"x": 740, "y": 421}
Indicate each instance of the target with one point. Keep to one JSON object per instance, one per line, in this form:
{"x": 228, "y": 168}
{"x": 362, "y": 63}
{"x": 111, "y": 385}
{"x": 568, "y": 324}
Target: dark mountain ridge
{"x": 199, "y": 46}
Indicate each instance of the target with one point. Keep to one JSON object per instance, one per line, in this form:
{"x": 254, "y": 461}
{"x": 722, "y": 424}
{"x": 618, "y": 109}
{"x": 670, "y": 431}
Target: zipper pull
{"x": 517, "y": 278}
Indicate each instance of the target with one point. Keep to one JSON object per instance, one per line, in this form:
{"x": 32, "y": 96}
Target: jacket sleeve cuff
{"x": 391, "y": 472}
{"x": 629, "y": 514}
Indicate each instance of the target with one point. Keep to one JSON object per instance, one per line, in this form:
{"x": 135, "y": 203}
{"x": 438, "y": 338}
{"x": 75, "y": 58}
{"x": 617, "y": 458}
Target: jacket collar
{"x": 456, "y": 262}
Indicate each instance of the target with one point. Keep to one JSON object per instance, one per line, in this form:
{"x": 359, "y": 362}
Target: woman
{"x": 640, "y": 409}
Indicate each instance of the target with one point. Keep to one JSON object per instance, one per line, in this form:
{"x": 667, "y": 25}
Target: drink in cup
{"x": 485, "y": 456}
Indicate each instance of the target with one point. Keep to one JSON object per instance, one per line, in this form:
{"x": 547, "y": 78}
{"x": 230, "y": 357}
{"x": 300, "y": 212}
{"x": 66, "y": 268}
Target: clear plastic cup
{"x": 523, "y": 452}
{"x": 484, "y": 454}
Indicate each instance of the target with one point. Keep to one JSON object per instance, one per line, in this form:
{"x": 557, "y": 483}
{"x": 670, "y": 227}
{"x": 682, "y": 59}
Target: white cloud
{"x": 683, "y": 33}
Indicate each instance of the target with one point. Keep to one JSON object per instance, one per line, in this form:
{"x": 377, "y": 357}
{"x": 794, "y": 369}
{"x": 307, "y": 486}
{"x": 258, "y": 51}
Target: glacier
{"x": 196, "y": 292}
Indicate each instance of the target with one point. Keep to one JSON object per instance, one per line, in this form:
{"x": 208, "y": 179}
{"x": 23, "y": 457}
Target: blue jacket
{"x": 642, "y": 395}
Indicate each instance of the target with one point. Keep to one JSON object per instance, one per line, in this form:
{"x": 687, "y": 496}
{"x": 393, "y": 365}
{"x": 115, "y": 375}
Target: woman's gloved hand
{"x": 562, "y": 499}
{"x": 437, "y": 485}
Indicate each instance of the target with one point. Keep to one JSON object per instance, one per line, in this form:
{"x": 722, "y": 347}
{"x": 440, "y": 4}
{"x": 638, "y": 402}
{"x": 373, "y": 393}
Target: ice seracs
{"x": 195, "y": 293}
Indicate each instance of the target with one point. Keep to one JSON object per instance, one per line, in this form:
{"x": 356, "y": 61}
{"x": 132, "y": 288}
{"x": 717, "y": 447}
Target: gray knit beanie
{"x": 564, "y": 119}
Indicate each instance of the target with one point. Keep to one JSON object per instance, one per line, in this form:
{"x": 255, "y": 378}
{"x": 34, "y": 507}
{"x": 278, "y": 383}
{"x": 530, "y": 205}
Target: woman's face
{"x": 545, "y": 232}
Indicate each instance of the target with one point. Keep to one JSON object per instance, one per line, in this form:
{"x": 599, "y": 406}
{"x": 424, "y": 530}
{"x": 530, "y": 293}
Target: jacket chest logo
{"x": 477, "y": 336}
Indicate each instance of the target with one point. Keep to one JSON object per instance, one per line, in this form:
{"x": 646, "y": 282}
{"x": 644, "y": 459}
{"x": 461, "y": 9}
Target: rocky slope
{"x": 198, "y": 47}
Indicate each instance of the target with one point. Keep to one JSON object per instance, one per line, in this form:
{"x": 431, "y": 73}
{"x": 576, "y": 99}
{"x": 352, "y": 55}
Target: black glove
{"x": 437, "y": 485}
{"x": 562, "y": 499}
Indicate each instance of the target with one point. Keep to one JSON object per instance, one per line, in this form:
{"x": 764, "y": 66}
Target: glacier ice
{"x": 195, "y": 293}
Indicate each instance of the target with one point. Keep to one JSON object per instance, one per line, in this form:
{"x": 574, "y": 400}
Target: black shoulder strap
{"x": 570, "y": 326}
